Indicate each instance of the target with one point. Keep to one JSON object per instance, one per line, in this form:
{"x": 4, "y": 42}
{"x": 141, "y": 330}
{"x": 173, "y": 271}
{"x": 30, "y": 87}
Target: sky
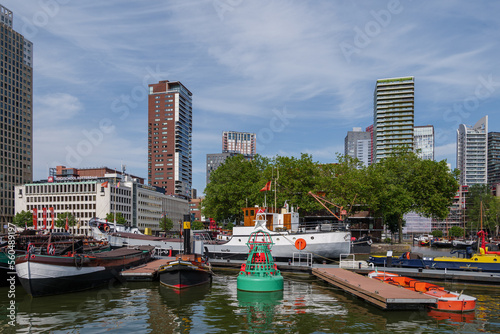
{"x": 299, "y": 74}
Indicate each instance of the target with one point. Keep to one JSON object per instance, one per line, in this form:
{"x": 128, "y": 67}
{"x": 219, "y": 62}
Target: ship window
{"x": 312, "y": 238}
{"x": 251, "y": 213}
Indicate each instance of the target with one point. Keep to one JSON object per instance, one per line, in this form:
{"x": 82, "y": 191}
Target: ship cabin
{"x": 276, "y": 220}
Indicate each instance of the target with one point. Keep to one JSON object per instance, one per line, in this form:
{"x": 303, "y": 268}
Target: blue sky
{"x": 300, "y": 74}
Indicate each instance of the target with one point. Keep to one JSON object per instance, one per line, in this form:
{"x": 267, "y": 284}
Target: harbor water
{"x": 306, "y": 305}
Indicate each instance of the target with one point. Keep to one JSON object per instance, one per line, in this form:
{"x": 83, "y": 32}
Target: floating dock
{"x": 146, "y": 272}
{"x": 383, "y": 295}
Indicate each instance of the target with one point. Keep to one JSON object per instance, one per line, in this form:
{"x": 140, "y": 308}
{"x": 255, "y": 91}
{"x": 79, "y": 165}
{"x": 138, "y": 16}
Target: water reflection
{"x": 305, "y": 306}
{"x": 260, "y": 308}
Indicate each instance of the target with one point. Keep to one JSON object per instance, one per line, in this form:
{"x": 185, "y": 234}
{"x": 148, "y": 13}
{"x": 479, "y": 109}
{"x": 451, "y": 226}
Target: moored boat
{"x": 446, "y": 300}
{"x": 287, "y": 234}
{"x": 185, "y": 271}
{"x": 42, "y": 275}
{"x": 477, "y": 262}
{"x": 188, "y": 269}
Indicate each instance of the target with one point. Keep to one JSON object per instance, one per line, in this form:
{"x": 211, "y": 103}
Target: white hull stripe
{"x": 33, "y": 270}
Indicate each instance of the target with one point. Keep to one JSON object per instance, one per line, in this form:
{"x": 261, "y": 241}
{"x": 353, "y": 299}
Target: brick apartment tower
{"x": 169, "y": 137}
{"x": 16, "y": 113}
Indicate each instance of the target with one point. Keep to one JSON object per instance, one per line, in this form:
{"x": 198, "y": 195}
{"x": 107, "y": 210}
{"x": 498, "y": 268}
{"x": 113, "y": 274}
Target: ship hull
{"x": 43, "y": 275}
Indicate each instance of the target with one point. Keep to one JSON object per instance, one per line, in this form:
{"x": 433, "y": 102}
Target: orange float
{"x": 300, "y": 244}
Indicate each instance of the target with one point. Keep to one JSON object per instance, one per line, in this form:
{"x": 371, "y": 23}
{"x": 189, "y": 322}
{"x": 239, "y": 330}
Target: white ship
{"x": 321, "y": 241}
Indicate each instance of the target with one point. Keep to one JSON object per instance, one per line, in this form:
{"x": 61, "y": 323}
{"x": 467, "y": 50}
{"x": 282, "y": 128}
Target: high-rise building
{"x": 233, "y": 143}
{"x": 393, "y": 115}
{"x": 239, "y": 142}
{"x": 494, "y": 158}
{"x": 423, "y": 141}
{"x": 169, "y": 137}
{"x": 16, "y": 113}
{"x": 472, "y": 152}
{"x": 357, "y": 144}
{"x": 369, "y": 129}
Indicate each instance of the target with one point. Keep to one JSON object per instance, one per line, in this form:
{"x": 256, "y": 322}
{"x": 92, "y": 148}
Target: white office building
{"x": 472, "y": 152}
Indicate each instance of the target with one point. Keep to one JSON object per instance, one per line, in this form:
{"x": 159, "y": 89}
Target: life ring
{"x": 300, "y": 244}
{"x": 106, "y": 228}
{"x": 51, "y": 250}
{"x": 407, "y": 255}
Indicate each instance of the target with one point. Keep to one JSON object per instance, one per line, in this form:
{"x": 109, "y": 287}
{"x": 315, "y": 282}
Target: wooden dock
{"x": 145, "y": 272}
{"x": 383, "y": 295}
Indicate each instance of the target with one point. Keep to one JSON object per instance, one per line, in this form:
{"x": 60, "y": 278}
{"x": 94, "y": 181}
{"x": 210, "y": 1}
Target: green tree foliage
{"x": 110, "y": 217}
{"x": 480, "y": 196}
{"x": 22, "y": 218}
{"x": 397, "y": 185}
{"x": 197, "y": 225}
{"x": 166, "y": 224}
{"x": 61, "y": 220}
{"x": 456, "y": 232}
{"x": 437, "y": 234}
{"x": 403, "y": 183}
{"x": 234, "y": 185}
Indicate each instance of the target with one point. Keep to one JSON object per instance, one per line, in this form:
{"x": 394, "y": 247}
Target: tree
{"x": 480, "y": 198}
{"x": 403, "y": 183}
{"x": 23, "y": 218}
{"x": 61, "y": 220}
{"x": 197, "y": 225}
{"x": 166, "y": 224}
{"x": 110, "y": 217}
{"x": 437, "y": 233}
{"x": 234, "y": 185}
{"x": 456, "y": 232}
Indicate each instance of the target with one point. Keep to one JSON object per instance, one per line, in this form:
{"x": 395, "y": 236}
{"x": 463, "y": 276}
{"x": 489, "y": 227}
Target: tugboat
{"x": 259, "y": 273}
{"x": 187, "y": 269}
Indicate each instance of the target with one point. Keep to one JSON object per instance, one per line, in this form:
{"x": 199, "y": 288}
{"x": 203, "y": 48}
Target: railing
{"x": 301, "y": 258}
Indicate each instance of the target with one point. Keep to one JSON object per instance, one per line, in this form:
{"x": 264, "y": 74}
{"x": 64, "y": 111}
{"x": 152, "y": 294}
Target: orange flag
{"x": 267, "y": 187}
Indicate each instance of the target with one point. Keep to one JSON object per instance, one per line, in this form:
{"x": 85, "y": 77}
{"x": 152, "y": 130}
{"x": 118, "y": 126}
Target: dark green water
{"x": 305, "y": 306}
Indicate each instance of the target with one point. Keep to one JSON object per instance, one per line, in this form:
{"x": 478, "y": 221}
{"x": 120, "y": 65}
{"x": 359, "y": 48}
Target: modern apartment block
{"x": 423, "y": 141}
{"x": 369, "y": 129}
{"x": 95, "y": 192}
{"x": 239, "y": 142}
{"x": 472, "y": 152}
{"x": 494, "y": 158}
{"x": 16, "y": 113}
{"x": 169, "y": 137}
{"x": 233, "y": 143}
{"x": 393, "y": 115}
{"x": 357, "y": 144}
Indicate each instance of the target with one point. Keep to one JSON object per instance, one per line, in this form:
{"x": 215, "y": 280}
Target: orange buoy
{"x": 300, "y": 244}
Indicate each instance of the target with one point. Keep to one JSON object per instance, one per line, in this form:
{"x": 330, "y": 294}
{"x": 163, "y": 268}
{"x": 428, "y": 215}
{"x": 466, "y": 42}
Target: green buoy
{"x": 259, "y": 273}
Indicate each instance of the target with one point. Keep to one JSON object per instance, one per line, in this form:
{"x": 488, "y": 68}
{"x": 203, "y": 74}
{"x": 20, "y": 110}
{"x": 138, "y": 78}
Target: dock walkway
{"x": 383, "y": 295}
{"x": 146, "y": 272}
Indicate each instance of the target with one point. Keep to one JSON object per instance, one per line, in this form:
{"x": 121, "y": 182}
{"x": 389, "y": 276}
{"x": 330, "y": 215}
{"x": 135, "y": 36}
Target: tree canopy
{"x": 23, "y": 218}
{"x": 166, "y": 224}
{"x": 110, "y": 217}
{"x": 399, "y": 184}
{"x": 480, "y": 197}
{"x": 61, "y": 219}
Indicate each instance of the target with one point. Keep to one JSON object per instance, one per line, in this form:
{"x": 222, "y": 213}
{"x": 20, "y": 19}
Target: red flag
{"x": 104, "y": 184}
{"x": 66, "y": 223}
{"x": 267, "y": 187}
{"x": 52, "y": 214}
{"x": 35, "y": 218}
{"x": 44, "y": 218}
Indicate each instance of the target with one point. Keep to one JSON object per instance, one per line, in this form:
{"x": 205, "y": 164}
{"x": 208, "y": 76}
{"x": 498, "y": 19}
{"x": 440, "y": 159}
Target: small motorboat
{"x": 446, "y": 300}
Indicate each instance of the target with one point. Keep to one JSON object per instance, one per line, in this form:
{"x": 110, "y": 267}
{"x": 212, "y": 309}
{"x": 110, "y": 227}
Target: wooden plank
{"x": 376, "y": 292}
{"x": 146, "y": 271}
